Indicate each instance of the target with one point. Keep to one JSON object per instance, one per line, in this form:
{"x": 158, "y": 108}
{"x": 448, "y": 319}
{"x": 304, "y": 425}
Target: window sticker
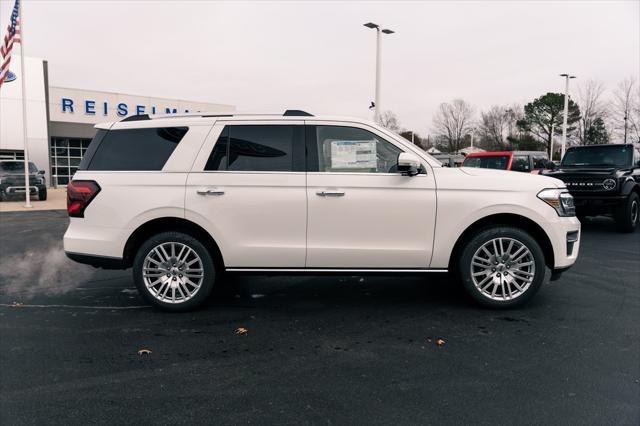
{"x": 353, "y": 154}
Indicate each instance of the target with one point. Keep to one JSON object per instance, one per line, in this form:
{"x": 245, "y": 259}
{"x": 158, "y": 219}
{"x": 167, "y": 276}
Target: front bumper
{"x": 596, "y": 204}
{"x": 565, "y": 237}
{"x": 15, "y": 190}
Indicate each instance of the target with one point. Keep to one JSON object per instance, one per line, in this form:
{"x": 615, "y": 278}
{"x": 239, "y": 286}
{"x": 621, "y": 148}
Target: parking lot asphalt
{"x": 317, "y": 350}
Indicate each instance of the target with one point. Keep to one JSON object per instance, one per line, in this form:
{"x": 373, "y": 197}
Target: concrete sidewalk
{"x": 56, "y": 200}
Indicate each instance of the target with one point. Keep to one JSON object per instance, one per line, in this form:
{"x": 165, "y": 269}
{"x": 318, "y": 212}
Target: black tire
{"x": 42, "y": 194}
{"x": 628, "y": 214}
{"x": 208, "y": 275}
{"x": 508, "y": 233}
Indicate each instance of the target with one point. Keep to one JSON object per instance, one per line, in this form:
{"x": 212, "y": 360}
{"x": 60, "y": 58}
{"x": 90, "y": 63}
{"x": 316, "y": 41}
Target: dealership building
{"x": 60, "y": 121}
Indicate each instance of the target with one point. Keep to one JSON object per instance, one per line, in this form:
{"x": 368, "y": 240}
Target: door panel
{"x": 259, "y": 220}
{"x": 380, "y": 221}
{"x": 241, "y": 192}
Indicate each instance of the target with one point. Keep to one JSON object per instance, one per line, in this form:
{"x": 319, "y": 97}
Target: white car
{"x": 181, "y": 199}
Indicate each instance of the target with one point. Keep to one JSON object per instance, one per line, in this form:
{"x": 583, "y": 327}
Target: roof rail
{"x": 296, "y": 113}
{"x": 138, "y": 117}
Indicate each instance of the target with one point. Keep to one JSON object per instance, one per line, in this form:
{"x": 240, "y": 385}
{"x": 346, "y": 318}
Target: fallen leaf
{"x": 440, "y": 342}
{"x": 241, "y": 330}
{"x": 144, "y": 352}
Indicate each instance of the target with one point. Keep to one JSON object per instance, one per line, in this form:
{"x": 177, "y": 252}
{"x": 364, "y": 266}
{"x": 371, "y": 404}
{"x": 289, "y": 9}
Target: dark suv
{"x": 12, "y": 180}
{"x": 604, "y": 179}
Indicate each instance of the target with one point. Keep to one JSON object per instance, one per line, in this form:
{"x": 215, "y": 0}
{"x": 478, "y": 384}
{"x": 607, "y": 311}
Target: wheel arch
{"x": 164, "y": 224}
{"x": 502, "y": 219}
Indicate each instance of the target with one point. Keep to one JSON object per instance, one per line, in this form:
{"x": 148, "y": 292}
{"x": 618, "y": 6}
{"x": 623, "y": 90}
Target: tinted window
{"x": 487, "y": 162}
{"x": 539, "y": 161}
{"x": 520, "y": 163}
{"x": 16, "y": 167}
{"x": 608, "y": 155}
{"x": 259, "y": 148}
{"x": 134, "y": 149}
{"x": 349, "y": 149}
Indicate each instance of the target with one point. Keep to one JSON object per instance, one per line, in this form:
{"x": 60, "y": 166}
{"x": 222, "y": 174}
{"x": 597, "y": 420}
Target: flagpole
{"x": 27, "y": 185}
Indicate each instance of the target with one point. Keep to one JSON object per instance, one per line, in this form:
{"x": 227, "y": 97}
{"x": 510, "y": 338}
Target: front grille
{"x": 585, "y": 184}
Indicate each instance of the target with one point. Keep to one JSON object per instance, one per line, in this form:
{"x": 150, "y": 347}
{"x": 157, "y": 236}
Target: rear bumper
{"x": 103, "y": 262}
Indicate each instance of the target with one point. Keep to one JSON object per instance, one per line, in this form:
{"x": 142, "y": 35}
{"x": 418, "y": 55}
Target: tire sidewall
{"x": 207, "y": 265}
{"x": 480, "y": 238}
{"x": 623, "y": 218}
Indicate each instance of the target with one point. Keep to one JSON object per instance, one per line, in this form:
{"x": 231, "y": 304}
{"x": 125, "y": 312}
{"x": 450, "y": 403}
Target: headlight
{"x": 560, "y": 200}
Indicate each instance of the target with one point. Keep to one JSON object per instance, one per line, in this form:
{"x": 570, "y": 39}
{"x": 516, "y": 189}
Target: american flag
{"x": 12, "y": 37}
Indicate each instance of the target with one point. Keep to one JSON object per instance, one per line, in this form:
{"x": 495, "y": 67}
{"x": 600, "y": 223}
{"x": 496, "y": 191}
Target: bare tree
{"x": 494, "y": 125}
{"x": 626, "y": 107}
{"x": 453, "y": 121}
{"x": 591, "y": 107}
{"x": 389, "y": 120}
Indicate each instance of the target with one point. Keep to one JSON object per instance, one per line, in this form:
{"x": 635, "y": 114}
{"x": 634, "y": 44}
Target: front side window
{"x": 520, "y": 163}
{"x": 145, "y": 149}
{"x": 350, "y": 149}
{"x": 258, "y": 148}
{"x": 539, "y": 162}
{"x": 499, "y": 162}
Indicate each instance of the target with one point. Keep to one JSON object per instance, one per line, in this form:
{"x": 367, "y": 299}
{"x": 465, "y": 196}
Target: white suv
{"x": 182, "y": 199}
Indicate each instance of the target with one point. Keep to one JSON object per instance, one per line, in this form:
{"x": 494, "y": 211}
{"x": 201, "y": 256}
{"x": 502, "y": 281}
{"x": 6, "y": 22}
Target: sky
{"x": 268, "y": 56}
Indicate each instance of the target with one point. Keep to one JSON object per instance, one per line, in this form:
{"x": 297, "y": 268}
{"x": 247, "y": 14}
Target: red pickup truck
{"x": 518, "y": 161}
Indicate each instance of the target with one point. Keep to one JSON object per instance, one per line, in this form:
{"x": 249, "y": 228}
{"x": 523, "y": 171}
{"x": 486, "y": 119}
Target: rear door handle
{"x": 209, "y": 191}
{"x": 330, "y": 193}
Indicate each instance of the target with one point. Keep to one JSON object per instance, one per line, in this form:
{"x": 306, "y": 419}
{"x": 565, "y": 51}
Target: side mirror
{"x": 40, "y": 172}
{"x": 408, "y": 164}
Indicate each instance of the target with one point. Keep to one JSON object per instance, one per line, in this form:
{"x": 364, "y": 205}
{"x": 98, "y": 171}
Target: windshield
{"x": 487, "y": 162}
{"x": 600, "y": 156}
{"x": 16, "y": 167}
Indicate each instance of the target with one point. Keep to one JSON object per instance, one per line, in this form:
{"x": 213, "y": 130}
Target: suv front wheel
{"x": 627, "y": 215}
{"x": 502, "y": 267}
{"x": 174, "y": 271}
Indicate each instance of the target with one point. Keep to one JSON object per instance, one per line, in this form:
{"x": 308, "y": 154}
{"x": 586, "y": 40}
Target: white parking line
{"x": 17, "y": 306}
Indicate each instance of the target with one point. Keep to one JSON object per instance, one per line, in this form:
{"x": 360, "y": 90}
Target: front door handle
{"x": 330, "y": 193}
{"x": 209, "y": 191}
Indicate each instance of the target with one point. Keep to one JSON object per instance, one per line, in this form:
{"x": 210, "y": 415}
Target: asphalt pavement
{"x": 317, "y": 350}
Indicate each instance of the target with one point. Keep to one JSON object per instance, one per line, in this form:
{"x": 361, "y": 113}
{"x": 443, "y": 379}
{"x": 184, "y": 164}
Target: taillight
{"x": 79, "y": 195}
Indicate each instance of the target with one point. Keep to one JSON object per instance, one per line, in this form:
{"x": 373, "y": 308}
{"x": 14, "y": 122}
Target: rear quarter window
{"x": 133, "y": 149}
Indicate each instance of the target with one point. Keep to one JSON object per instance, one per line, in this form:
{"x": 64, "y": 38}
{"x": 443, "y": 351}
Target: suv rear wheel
{"x": 502, "y": 267}
{"x": 627, "y": 215}
{"x": 174, "y": 271}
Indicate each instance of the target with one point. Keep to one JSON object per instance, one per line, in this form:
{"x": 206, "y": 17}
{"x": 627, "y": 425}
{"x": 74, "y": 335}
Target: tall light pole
{"x": 376, "y": 101}
{"x": 567, "y": 77}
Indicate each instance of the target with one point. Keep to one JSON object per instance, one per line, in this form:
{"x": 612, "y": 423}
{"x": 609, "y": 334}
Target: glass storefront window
{"x": 66, "y": 154}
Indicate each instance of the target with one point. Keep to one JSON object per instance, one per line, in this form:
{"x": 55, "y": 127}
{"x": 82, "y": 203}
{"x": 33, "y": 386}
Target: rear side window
{"x": 134, "y": 149}
{"x": 259, "y": 148}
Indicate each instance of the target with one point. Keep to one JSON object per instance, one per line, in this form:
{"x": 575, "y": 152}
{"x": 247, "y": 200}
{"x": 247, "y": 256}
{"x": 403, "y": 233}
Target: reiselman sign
{"x": 88, "y": 107}
{"x": 85, "y": 106}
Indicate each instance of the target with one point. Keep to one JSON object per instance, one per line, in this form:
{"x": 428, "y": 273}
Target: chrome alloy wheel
{"x": 503, "y": 269}
{"x": 634, "y": 212}
{"x": 172, "y": 272}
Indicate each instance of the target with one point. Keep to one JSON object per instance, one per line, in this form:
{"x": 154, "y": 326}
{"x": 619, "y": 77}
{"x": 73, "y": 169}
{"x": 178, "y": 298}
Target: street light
{"x": 567, "y": 77}
{"x": 376, "y": 101}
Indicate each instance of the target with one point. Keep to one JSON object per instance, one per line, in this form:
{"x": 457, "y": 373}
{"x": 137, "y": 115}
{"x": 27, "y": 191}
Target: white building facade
{"x": 60, "y": 120}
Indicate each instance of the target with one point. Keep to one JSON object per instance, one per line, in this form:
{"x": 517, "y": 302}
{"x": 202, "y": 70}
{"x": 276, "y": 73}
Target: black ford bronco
{"x": 603, "y": 179}
{"x": 12, "y": 180}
